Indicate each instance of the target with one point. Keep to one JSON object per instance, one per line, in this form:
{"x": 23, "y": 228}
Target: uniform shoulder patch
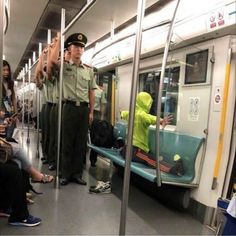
{"x": 89, "y": 66}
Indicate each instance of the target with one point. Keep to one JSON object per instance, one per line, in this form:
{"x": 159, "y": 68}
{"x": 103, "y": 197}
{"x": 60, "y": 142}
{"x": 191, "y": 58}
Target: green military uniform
{"x": 53, "y": 125}
{"x": 49, "y": 103}
{"x": 42, "y": 89}
{"x": 77, "y": 82}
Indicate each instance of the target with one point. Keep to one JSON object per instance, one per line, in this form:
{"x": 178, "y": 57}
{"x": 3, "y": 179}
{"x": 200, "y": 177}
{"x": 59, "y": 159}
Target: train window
{"x": 149, "y": 82}
{"x": 104, "y": 81}
{"x": 196, "y": 67}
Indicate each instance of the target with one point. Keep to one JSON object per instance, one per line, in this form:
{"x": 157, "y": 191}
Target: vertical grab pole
{"x": 128, "y": 154}
{"x": 29, "y": 77}
{"x": 222, "y": 121}
{"x": 23, "y": 103}
{"x": 1, "y": 47}
{"x": 38, "y": 105}
{"x": 57, "y": 184}
{"x": 164, "y": 60}
{"x": 113, "y": 101}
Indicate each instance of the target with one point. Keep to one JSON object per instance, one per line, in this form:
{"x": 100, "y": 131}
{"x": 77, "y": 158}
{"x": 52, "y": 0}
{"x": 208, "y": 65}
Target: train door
{"x": 232, "y": 181}
{"x": 105, "y": 80}
{"x": 149, "y": 82}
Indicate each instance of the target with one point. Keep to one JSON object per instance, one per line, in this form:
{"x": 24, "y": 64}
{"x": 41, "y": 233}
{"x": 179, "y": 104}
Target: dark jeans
{"x": 12, "y": 191}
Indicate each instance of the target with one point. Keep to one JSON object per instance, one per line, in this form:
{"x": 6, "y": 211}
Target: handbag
{"x": 6, "y": 151}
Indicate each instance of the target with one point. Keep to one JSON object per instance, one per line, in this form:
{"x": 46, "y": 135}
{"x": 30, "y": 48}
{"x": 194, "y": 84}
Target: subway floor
{"x": 72, "y": 210}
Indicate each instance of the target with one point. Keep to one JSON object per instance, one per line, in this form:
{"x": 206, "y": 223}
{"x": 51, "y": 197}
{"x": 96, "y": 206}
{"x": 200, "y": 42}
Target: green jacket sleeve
{"x": 124, "y": 115}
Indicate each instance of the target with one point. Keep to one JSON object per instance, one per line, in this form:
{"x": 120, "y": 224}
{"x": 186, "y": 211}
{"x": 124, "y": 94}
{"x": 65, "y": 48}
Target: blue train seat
{"x": 171, "y": 143}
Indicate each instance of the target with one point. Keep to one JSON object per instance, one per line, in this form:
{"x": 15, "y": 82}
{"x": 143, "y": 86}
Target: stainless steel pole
{"x": 29, "y": 105}
{"x": 89, "y": 4}
{"x": 128, "y": 154}
{"x": 1, "y": 48}
{"x": 164, "y": 60}
{"x": 57, "y": 183}
{"x": 23, "y": 103}
{"x": 38, "y": 105}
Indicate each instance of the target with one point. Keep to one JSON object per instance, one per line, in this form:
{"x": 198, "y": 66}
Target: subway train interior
{"x": 181, "y": 54}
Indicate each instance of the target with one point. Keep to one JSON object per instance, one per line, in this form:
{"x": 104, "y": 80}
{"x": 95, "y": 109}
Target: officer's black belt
{"x": 78, "y": 104}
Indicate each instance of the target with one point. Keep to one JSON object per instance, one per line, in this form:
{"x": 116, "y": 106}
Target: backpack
{"x": 101, "y": 133}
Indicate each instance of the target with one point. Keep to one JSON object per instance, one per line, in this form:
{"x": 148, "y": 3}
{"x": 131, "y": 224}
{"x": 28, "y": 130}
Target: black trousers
{"x": 74, "y": 139}
{"x": 43, "y": 129}
{"x": 52, "y": 148}
{"x": 12, "y": 192}
{"x": 47, "y": 124}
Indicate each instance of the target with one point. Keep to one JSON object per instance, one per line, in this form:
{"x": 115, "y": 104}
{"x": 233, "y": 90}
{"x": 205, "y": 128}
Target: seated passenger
{"x": 14, "y": 196}
{"x": 20, "y": 157}
{"x": 142, "y": 121}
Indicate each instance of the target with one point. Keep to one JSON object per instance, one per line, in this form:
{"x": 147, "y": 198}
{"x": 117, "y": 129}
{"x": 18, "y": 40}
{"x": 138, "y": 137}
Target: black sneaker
{"x": 30, "y": 221}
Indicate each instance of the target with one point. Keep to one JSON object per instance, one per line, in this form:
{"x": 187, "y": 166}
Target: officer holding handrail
{"x": 78, "y": 105}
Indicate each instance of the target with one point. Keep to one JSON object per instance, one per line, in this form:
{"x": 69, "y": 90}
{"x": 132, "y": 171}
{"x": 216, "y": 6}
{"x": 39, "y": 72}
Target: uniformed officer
{"x": 54, "y": 78}
{"x": 78, "y": 106}
{"x": 39, "y": 80}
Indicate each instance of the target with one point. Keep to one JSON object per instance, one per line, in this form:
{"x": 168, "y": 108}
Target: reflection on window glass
{"x": 196, "y": 67}
{"x": 104, "y": 82}
{"x": 149, "y": 82}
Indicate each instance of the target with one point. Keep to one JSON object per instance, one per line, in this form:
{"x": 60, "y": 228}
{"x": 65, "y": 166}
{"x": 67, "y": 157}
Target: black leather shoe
{"x": 64, "y": 181}
{"x": 79, "y": 181}
{"x": 52, "y": 167}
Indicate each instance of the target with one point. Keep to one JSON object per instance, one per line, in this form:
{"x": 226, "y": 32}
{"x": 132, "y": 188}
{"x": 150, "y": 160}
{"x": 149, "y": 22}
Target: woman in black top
{"x": 9, "y": 97}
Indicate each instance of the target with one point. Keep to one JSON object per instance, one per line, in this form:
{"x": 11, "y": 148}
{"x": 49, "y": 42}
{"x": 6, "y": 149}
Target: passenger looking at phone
{"x": 9, "y": 97}
{"x": 12, "y": 151}
{"x": 142, "y": 121}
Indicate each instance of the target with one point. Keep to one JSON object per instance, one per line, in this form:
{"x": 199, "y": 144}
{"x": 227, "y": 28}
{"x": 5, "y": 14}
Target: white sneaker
{"x": 102, "y": 187}
{"x": 99, "y": 183}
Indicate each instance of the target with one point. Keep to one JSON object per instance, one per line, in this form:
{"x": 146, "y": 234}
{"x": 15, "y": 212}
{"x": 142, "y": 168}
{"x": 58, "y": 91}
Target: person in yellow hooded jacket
{"x": 142, "y": 121}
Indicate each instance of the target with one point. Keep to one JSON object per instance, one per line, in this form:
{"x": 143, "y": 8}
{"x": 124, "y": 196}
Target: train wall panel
{"x": 206, "y": 95}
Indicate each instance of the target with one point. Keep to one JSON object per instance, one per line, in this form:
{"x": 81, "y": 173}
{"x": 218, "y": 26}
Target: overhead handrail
{"x": 130, "y": 35}
{"x": 129, "y": 149}
{"x": 164, "y": 60}
{"x": 6, "y": 20}
{"x": 80, "y": 14}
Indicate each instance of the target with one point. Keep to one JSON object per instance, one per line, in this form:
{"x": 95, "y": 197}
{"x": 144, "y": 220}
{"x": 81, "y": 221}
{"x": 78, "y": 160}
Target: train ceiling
{"x": 30, "y": 20}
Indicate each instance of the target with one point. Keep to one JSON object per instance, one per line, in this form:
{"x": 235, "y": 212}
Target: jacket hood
{"x": 144, "y": 101}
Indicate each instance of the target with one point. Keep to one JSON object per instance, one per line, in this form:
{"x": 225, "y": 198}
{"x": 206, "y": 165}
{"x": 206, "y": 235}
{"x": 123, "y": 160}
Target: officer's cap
{"x": 76, "y": 39}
